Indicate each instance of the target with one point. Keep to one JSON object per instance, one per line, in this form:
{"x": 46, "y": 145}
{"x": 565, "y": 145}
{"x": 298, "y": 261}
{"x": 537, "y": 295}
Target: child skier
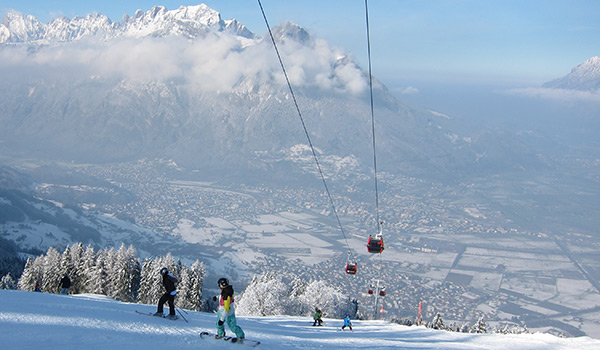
{"x": 347, "y": 323}
{"x": 226, "y": 313}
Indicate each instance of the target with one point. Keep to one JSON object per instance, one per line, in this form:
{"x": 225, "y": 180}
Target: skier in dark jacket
{"x": 65, "y": 283}
{"x": 168, "y": 281}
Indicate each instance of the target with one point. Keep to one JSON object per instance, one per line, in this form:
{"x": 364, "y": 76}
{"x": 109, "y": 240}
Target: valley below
{"x": 487, "y": 248}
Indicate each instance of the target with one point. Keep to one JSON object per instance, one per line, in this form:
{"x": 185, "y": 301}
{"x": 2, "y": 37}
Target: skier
{"x": 226, "y": 313}
{"x": 168, "y": 281}
{"x": 65, "y": 283}
{"x": 317, "y": 317}
{"x": 347, "y": 323}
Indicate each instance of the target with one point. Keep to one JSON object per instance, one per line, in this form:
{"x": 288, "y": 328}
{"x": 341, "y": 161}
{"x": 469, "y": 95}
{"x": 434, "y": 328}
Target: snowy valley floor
{"x": 36, "y": 320}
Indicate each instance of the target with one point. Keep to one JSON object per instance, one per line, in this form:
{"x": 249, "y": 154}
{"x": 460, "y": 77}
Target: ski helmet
{"x": 224, "y": 282}
{"x": 164, "y": 271}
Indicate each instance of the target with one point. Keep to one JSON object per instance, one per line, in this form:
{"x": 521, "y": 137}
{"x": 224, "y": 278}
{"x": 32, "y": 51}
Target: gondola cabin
{"x": 370, "y": 291}
{"x": 375, "y": 244}
{"x": 351, "y": 268}
{"x": 382, "y": 292}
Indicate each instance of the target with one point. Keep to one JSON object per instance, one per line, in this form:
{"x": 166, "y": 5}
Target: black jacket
{"x": 169, "y": 282}
{"x": 65, "y": 282}
{"x": 227, "y": 292}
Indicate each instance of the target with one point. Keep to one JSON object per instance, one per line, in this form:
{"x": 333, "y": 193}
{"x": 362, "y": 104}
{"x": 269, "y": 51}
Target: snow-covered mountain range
{"x": 585, "y": 76}
{"x": 187, "y": 21}
{"x": 186, "y": 85}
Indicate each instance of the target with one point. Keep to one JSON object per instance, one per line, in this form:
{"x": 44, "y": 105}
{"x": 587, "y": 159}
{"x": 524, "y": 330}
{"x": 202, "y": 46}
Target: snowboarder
{"x": 347, "y": 323}
{"x": 37, "y": 288}
{"x": 226, "y": 313}
{"x": 65, "y": 283}
{"x": 317, "y": 317}
{"x": 168, "y": 281}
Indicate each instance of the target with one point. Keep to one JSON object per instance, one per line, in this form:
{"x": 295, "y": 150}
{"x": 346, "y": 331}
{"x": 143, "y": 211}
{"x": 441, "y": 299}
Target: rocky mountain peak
{"x": 585, "y": 76}
{"x": 187, "y": 21}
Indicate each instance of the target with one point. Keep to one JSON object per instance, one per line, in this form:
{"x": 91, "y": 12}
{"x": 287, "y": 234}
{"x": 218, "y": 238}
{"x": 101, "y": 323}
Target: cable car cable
{"x": 379, "y": 229}
{"x": 381, "y": 292}
{"x": 304, "y": 126}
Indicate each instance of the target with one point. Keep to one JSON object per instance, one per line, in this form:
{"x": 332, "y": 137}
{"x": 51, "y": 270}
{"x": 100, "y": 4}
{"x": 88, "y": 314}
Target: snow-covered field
{"x": 38, "y": 320}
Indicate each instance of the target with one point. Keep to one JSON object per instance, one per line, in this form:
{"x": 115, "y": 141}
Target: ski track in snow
{"x": 38, "y": 320}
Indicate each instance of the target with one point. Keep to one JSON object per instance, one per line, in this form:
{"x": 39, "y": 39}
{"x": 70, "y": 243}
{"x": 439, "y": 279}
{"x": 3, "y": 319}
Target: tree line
{"x": 117, "y": 273}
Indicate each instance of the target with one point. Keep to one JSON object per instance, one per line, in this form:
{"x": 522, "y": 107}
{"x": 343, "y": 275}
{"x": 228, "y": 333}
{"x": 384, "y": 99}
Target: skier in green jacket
{"x": 317, "y": 317}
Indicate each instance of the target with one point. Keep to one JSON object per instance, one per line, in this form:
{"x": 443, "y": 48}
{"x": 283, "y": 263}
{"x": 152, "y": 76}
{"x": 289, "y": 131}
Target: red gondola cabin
{"x": 375, "y": 244}
{"x": 351, "y": 268}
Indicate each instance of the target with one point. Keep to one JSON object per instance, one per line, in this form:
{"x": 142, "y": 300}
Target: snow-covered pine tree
{"x": 124, "y": 274}
{"x": 145, "y": 293}
{"x": 8, "y": 282}
{"x": 480, "y": 326}
{"x": 184, "y": 287}
{"x": 86, "y": 269}
{"x": 135, "y": 270}
{"x": 52, "y": 273}
{"x": 197, "y": 280}
{"x": 78, "y": 273}
{"x": 437, "y": 322}
{"x": 97, "y": 275}
{"x": 29, "y": 277}
{"x": 111, "y": 270}
{"x": 66, "y": 265}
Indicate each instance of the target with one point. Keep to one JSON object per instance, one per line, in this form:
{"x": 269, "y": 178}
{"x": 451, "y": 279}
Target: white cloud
{"x": 216, "y": 62}
{"x": 410, "y": 90}
{"x": 557, "y": 94}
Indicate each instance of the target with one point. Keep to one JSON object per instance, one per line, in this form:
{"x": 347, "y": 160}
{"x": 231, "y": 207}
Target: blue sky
{"x": 498, "y": 42}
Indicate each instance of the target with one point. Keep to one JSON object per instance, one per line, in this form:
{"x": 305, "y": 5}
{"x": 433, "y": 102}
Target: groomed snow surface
{"x": 31, "y": 320}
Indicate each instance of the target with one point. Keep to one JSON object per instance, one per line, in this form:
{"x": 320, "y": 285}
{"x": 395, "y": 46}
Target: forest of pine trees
{"x": 115, "y": 273}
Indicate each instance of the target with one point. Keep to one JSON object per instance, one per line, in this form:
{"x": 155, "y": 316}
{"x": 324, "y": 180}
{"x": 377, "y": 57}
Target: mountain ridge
{"x": 585, "y": 76}
{"x": 187, "y": 21}
{"x": 219, "y": 99}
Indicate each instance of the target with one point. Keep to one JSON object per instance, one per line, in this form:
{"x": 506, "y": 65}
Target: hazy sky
{"x": 502, "y": 42}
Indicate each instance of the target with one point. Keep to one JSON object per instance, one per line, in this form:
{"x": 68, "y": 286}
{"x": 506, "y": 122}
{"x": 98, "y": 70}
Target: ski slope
{"x": 37, "y": 320}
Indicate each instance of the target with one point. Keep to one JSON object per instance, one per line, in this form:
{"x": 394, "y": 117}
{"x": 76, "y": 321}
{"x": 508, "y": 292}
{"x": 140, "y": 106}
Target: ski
{"x": 245, "y": 341}
{"x": 152, "y": 314}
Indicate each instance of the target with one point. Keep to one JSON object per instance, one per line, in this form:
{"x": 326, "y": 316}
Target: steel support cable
{"x": 379, "y": 229}
{"x": 304, "y": 127}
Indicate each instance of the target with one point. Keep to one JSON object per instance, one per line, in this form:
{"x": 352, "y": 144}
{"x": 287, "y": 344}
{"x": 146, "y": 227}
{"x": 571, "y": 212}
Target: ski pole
{"x": 180, "y": 314}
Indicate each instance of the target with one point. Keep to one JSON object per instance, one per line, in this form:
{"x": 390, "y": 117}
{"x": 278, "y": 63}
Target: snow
{"x": 32, "y": 320}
